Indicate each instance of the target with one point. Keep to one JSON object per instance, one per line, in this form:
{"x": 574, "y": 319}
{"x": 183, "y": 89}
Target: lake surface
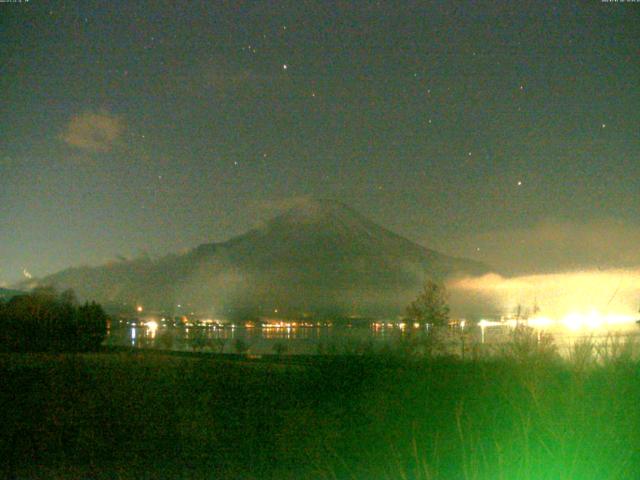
{"x": 339, "y": 339}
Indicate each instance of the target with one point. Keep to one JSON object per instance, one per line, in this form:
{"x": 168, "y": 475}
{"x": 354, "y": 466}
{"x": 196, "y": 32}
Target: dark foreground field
{"x": 145, "y": 415}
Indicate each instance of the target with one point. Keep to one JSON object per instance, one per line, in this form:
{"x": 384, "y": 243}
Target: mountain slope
{"x": 319, "y": 256}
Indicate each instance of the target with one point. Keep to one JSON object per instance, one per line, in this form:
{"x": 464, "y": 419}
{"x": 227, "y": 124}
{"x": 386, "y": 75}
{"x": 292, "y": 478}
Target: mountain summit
{"x": 317, "y": 257}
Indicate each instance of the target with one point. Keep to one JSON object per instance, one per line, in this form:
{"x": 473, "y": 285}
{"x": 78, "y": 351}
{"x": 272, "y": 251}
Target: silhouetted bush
{"x": 280, "y": 348}
{"x": 241, "y": 346}
{"x": 43, "y": 321}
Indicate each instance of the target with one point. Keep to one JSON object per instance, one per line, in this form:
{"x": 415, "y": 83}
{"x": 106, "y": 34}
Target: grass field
{"x": 149, "y": 415}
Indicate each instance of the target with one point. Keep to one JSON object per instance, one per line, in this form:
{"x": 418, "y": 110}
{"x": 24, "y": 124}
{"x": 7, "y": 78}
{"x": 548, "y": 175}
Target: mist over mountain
{"x": 319, "y": 257}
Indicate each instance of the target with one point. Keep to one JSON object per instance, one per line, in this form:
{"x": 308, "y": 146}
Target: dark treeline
{"x": 45, "y": 321}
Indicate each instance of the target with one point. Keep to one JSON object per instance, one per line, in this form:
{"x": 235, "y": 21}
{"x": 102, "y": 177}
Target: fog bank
{"x": 554, "y": 295}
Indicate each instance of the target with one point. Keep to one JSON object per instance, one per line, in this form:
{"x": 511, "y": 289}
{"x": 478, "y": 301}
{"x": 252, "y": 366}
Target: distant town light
{"x": 539, "y": 322}
{"x": 139, "y": 308}
{"x": 152, "y": 325}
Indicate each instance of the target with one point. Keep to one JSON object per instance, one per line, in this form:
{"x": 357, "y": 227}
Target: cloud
{"x": 93, "y": 132}
{"x": 556, "y": 295}
{"x": 555, "y": 245}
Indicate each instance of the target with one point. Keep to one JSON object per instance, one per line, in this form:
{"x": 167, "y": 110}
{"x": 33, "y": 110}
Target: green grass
{"x": 523, "y": 415}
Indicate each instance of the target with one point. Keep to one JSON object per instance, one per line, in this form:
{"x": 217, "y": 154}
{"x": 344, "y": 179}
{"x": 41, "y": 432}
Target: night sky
{"x": 507, "y": 132}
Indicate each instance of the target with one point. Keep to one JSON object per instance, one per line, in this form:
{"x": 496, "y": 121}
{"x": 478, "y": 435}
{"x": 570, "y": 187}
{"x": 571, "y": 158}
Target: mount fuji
{"x": 319, "y": 257}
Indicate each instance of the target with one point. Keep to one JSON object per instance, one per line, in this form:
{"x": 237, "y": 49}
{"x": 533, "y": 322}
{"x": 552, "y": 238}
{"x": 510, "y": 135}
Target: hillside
{"x": 319, "y": 256}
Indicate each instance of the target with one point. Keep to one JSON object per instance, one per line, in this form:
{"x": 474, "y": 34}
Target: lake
{"x": 360, "y": 338}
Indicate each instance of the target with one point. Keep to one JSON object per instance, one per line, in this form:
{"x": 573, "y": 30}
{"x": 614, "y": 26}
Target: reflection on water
{"x": 133, "y": 336}
{"x": 305, "y": 340}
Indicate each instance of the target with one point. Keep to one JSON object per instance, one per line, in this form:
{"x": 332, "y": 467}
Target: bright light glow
{"x": 488, "y": 323}
{"x": 539, "y": 322}
{"x": 594, "y": 320}
{"x": 512, "y": 323}
{"x": 573, "y": 321}
{"x": 151, "y": 325}
{"x": 589, "y": 299}
{"x": 139, "y": 308}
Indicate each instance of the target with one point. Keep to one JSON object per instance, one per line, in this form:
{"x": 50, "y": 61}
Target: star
{"x": 519, "y": 183}
{"x": 285, "y": 66}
